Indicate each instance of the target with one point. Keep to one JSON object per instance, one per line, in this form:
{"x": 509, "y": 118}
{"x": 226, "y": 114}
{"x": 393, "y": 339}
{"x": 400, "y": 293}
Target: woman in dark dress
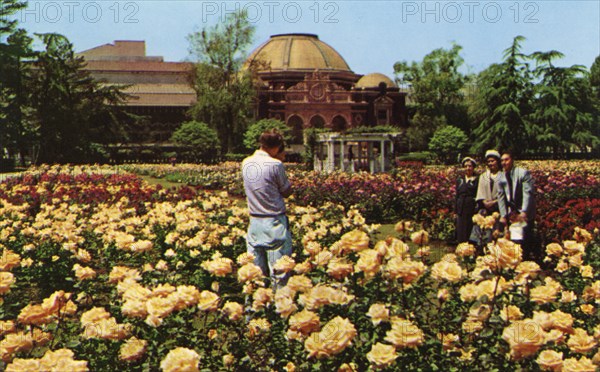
{"x": 465, "y": 205}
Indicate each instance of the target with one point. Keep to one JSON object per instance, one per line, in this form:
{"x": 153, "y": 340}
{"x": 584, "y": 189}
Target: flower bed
{"x": 425, "y": 194}
{"x": 146, "y": 280}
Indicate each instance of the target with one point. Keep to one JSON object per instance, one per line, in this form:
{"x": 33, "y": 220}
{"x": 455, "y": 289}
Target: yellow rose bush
{"x": 102, "y": 271}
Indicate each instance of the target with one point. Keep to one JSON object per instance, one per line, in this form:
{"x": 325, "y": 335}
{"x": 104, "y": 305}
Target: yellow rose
{"x": 573, "y": 248}
{"x": 368, "y": 262}
{"x": 20, "y": 365}
{"x": 407, "y": 270}
{"x": 465, "y": 250}
{"x": 528, "y": 269}
{"x": 6, "y": 280}
{"x": 420, "y": 237}
{"x": 249, "y": 272}
{"x": 510, "y": 313}
{"x": 219, "y": 266}
{"x": 134, "y": 308}
{"x": 160, "y": 307}
{"x": 554, "y": 249}
{"x": 543, "y": 294}
{"x": 335, "y": 336}
{"x": 208, "y": 301}
{"x": 396, "y": 248}
{"x": 299, "y": 283}
{"x": 262, "y": 297}
{"x": 233, "y": 310}
{"x": 83, "y": 273}
{"x": 550, "y": 360}
{"x": 525, "y": 338}
{"x": 355, "y": 241}
{"x": 378, "y": 313}
{"x": 404, "y": 334}
{"x": 180, "y": 359}
{"x": 133, "y": 349}
{"x": 581, "y": 342}
{"x": 8, "y": 260}
{"x": 582, "y": 365}
{"x": 382, "y": 355}
{"x": 562, "y": 321}
{"x": 587, "y": 309}
{"x": 339, "y": 268}
{"x": 303, "y": 267}
{"x": 586, "y": 271}
{"x": 322, "y": 258}
{"x": 592, "y": 292}
{"x": 94, "y": 315}
{"x": 257, "y": 326}
{"x": 305, "y": 322}
{"x": 245, "y": 258}
{"x": 568, "y": 296}
{"x": 504, "y": 254}
{"x": 447, "y": 270}
{"x": 285, "y": 306}
{"x": 284, "y": 265}
{"x": 582, "y": 235}
{"x": 107, "y": 329}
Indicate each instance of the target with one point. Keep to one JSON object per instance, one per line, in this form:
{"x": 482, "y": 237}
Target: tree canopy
{"x": 225, "y": 89}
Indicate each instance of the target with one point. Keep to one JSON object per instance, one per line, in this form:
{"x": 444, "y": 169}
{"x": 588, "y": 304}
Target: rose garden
{"x": 103, "y": 270}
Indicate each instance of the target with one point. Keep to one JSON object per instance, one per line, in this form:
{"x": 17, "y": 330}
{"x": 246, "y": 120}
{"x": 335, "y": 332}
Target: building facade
{"x": 159, "y": 91}
{"x": 303, "y": 82}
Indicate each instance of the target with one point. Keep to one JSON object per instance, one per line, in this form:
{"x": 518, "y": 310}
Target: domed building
{"x": 308, "y": 84}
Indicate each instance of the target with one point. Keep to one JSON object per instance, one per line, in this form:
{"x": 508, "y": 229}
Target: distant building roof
{"x": 297, "y": 52}
{"x": 151, "y": 80}
{"x": 373, "y": 80}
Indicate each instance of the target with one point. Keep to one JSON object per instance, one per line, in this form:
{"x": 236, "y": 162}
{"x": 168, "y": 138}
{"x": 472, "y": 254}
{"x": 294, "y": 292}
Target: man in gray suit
{"x": 516, "y": 202}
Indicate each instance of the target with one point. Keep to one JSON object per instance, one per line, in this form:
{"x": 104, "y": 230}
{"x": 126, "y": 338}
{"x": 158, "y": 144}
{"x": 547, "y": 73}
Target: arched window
{"x": 296, "y": 123}
{"x": 317, "y": 121}
{"x": 338, "y": 124}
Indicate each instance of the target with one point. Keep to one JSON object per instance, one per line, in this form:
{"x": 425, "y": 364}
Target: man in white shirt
{"x": 266, "y": 185}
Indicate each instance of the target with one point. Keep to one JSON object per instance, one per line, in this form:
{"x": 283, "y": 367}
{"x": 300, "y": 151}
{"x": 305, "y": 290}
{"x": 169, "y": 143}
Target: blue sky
{"x": 370, "y": 35}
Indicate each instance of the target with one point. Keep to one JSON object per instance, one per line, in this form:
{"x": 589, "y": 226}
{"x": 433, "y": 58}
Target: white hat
{"x": 492, "y": 153}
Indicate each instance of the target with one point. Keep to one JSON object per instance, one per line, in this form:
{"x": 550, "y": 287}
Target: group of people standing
{"x": 502, "y": 188}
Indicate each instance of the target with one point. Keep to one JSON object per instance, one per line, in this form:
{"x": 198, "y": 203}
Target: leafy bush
{"x": 447, "y": 142}
{"x": 255, "y": 130}
{"x": 198, "y": 138}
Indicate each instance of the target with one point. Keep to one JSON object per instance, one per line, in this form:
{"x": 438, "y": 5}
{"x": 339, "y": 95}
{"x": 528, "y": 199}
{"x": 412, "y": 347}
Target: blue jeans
{"x": 269, "y": 239}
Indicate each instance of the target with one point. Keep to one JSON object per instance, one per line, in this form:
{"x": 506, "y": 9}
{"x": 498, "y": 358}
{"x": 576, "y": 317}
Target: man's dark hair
{"x": 509, "y": 153}
{"x": 271, "y": 138}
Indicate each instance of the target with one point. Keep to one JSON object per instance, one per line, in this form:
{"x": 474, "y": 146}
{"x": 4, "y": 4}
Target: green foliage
{"x": 437, "y": 90}
{"x": 198, "y": 138}
{"x": 375, "y": 129}
{"x": 225, "y": 91}
{"x": 447, "y": 142}
{"x": 255, "y": 130}
{"x": 503, "y": 102}
{"x": 72, "y": 111}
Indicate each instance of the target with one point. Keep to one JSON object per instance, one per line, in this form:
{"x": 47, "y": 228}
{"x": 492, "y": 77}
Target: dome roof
{"x": 298, "y": 52}
{"x": 373, "y": 80}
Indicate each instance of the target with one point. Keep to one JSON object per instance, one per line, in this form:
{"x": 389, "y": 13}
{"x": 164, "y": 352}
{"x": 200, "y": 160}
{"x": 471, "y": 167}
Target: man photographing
{"x": 266, "y": 185}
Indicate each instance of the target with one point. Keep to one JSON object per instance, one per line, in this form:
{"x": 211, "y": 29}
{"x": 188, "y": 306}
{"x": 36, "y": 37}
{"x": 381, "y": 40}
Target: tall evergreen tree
{"x": 503, "y": 103}
{"x": 15, "y": 47}
{"x": 563, "y": 114}
{"x": 73, "y": 111}
{"x": 225, "y": 89}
